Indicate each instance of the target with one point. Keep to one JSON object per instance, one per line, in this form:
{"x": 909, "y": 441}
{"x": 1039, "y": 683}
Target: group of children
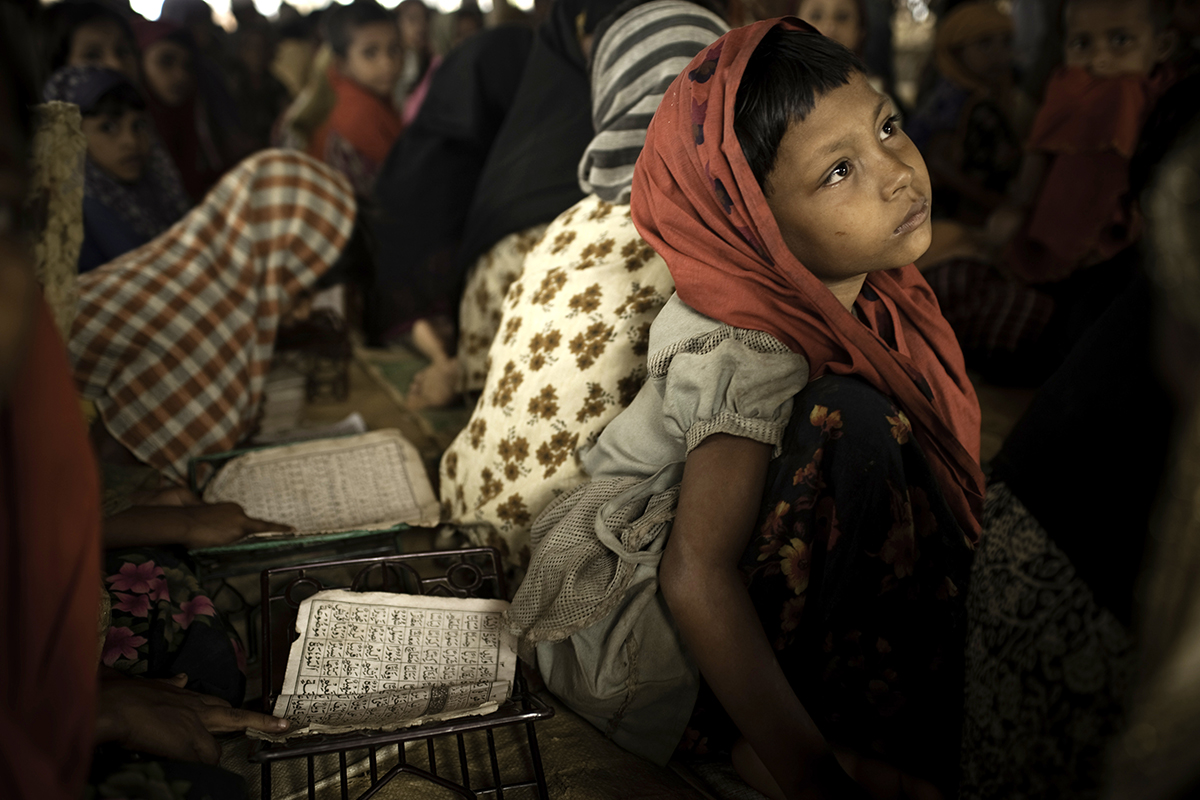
{"x": 163, "y": 114}
{"x": 773, "y": 557}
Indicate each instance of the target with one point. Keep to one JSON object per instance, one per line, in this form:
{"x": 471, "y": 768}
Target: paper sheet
{"x": 369, "y": 482}
{"x": 382, "y": 661}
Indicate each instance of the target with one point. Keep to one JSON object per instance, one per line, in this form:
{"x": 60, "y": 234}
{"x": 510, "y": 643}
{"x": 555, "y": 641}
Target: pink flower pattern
{"x": 136, "y": 604}
{"x": 189, "y": 610}
{"x": 120, "y": 643}
{"x": 138, "y": 578}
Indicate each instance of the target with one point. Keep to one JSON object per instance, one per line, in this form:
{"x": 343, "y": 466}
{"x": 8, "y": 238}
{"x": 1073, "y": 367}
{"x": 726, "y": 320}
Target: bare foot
{"x": 435, "y": 386}
{"x": 429, "y": 336}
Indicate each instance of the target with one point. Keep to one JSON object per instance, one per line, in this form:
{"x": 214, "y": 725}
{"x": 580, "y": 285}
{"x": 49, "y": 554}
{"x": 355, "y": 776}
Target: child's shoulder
{"x": 679, "y": 328}
{"x": 678, "y": 322}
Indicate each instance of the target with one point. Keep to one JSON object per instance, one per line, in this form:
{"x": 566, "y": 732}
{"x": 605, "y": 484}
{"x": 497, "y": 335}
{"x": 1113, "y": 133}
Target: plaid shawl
{"x": 173, "y": 340}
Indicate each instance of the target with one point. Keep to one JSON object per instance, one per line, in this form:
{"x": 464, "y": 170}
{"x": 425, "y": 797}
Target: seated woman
{"x": 790, "y": 503}
{"x": 571, "y": 353}
{"x": 128, "y": 198}
{"x": 173, "y": 340}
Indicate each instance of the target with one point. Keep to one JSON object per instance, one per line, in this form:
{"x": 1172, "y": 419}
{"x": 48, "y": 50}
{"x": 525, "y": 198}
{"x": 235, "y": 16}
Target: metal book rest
{"x": 474, "y": 572}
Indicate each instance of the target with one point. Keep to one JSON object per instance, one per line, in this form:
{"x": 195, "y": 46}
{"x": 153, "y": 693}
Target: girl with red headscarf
{"x": 777, "y": 533}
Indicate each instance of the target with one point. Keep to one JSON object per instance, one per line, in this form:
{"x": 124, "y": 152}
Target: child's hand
{"x": 221, "y": 524}
{"x": 162, "y": 718}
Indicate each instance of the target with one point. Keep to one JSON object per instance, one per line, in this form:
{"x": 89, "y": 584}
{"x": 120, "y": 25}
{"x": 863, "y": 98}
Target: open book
{"x": 373, "y": 481}
{"x": 382, "y": 661}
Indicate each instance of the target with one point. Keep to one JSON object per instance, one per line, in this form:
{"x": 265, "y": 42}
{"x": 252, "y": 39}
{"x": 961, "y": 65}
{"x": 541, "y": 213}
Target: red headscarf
{"x": 696, "y": 201}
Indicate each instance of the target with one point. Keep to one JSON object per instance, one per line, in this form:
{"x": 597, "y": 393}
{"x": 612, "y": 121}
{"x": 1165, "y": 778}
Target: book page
{"x": 382, "y": 661}
{"x": 369, "y": 482}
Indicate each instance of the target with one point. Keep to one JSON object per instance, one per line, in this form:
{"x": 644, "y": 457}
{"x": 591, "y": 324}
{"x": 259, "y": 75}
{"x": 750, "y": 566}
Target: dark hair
{"x": 414, "y": 4}
{"x": 339, "y": 23}
{"x": 786, "y": 74}
{"x": 1161, "y": 12}
{"x": 116, "y": 101}
{"x": 60, "y": 22}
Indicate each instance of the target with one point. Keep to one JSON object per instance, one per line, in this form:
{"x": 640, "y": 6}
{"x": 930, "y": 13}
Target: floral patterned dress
{"x": 859, "y": 573}
{"x": 164, "y": 624}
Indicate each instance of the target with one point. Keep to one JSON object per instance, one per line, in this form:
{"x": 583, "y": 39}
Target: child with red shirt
{"x": 363, "y": 125}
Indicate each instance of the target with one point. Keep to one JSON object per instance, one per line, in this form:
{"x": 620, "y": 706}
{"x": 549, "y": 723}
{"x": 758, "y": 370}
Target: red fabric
{"x": 368, "y": 122}
{"x": 1090, "y": 126}
{"x": 50, "y": 578}
{"x": 696, "y": 202}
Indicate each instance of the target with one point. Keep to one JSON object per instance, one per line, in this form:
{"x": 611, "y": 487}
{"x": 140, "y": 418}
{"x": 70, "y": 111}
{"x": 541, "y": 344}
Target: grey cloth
{"x": 589, "y": 605}
{"x": 635, "y": 62}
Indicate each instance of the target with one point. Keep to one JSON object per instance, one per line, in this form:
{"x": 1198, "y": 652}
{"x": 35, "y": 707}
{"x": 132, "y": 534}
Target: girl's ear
{"x": 1164, "y": 45}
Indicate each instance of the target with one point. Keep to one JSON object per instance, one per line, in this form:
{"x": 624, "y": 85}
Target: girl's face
{"x": 169, "y": 72}
{"x": 837, "y": 19}
{"x": 119, "y": 145}
{"x": 849, "y": 190}
{"x": 103, "y": 44}
{"x": 373, "y": 58}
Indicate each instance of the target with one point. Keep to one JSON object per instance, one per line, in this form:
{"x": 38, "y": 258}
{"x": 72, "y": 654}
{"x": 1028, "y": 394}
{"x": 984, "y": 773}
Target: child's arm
{"x": 719, "y": 500}
{"x": 1006, "y": 221}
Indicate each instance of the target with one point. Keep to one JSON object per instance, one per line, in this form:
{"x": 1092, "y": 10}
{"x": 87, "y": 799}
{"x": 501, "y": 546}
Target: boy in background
{"x": 364, "y": 123}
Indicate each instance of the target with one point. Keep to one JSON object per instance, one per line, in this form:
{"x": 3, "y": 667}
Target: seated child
{"x": 420, "y": 60}
{"x": 789, "y": 504}
{"x": 968, "y": 128}
{"x": 130, "y": 193}
{"x": 86, "y": 33}
{"x": 1070, "y": 202}
{"x": 183, "y": 116}
{"x": 844, "y": 21}
{"x": 363, "y": 125}
{"x": 1061, "y": 241}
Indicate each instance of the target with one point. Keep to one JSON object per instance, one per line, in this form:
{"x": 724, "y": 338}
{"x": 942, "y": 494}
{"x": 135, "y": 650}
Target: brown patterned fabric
{"x": 173, "y": 340}
{"x": 483, "y": 301}
{"x": 569, "y": 356}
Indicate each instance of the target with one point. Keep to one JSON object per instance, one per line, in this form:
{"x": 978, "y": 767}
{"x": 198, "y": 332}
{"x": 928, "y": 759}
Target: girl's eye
{"x": 840, "y": 172}
{"x": 93, "y": 55}
{"x": 108, "y": 128}
{"x": 891, "y": 126}
{"x": 1078, "y": 43}
{"x": 1120, "y": 40}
